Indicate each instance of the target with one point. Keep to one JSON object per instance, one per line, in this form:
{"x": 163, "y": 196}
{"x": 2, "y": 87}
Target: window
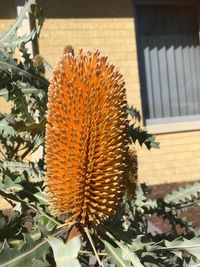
{"x": 169, "y": 54}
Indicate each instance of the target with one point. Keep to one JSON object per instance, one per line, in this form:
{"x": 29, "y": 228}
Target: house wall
{"x": 93, "y": 24}
{"x": 110, "y": 27}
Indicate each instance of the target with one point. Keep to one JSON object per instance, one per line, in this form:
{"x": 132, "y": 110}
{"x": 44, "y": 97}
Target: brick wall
{"x": 110, "y": 27}
{"x": 107, "y": 26}
{"x": 178, "y": 159}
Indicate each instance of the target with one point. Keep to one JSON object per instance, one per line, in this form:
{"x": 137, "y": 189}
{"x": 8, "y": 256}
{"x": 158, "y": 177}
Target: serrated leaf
{"x": 5, "y": 129}
{"x": 192, "y": 246}
{"x": 183, "y": 193}
{"x": 134, "y": 113}
{"x": 42, "y": 198}
{"x": 33, "y": 127}
{"x": 192, "y": 263}
{"x": 26, "y": 89}
{"x": 5, "y": 39}
{"x": 150, "y": 204}
{"x": 23, "y": 256}
{"x": 140, "y": 199}
{"x": 65, "y": 255}
{"x": 11, "y": 186}
{"x": 10, "y": 38}
{"x": 26, "y": 254}
{"x": 127, "y": 254}
{"x": 142, "y": 136}
{"x": 35, "y": 174}
{"x": 116, "y": 255}
{"x": 137, "y": 244}
{"x": 178, "y": 253}
{"x": 7, "y": 66}
{"x": 133, "y": 257}
{"x": 45, "y": 223}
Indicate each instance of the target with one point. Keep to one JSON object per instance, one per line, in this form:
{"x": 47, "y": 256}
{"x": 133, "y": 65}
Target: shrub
{"x": 29, "y": 234}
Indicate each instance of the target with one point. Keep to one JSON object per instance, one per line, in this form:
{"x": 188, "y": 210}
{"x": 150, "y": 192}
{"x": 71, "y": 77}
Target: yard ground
{"x": 159, "y": 191}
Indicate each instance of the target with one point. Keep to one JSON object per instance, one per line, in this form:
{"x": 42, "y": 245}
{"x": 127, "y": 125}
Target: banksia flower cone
{"x": 86, "y": 138}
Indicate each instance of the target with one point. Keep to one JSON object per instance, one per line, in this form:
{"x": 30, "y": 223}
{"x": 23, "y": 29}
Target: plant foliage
{"x": 29, "y": 234}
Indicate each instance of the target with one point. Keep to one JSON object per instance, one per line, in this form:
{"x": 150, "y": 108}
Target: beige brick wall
{"x": 109, "y": 27}
{"x": 4, "y": 25}
{"x": 178, "y": 159}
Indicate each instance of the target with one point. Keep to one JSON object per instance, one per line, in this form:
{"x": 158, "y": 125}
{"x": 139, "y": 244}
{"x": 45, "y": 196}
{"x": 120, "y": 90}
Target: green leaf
{"x": 192, "y": 246}
{"x": 192, "y": 263}
{"x": 39, "y": 263}
{"x": 127, "y": 254}
{"x": 65, "y": 255}
{"x": 137, "y": 244}
{"x": 5, "y": 129}
{"x": 183, "y": 194}
{"x": 5, "y": 40}
{"x": 7, "y": 66}
{"x": 142, "y": 136}
{"x": 134, "y": 113}
{"x": 11, "y": 186}
{"x": 26, "y": 254}
{"x": 23, "y": 256}
{"x": 140, "y": 199}
{"x": 44, "y": 222}
{"x": 26, "y": 89}
{"x": 33, "y": 127}
{"x": 116, "y": 255}
{"x": 35, "y": 174}
{"x": 10, "y": 38}
{"x": 42, "y": 198}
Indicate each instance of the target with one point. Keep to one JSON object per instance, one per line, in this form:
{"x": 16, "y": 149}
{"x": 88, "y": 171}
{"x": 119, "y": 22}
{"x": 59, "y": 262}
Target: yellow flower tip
{"x": 86, "y": 138}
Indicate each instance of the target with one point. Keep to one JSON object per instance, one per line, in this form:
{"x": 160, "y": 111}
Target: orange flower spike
{"x": 86, "y": 138}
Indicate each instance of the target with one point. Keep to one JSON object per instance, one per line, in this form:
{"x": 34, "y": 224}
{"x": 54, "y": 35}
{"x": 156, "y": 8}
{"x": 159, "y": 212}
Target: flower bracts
{"x": 86, "y": 138}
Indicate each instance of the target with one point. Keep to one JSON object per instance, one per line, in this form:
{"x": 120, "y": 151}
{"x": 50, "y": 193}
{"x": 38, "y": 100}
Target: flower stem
{"x": 93, "y": 246}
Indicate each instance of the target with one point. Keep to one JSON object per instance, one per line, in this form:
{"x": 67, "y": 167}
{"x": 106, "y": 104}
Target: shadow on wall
{"x": 87, "y": 8}
{"x": 8, "y": 9}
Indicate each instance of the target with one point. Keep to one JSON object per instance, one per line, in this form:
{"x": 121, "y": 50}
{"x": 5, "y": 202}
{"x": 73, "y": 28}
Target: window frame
{"x": 165, "y": 124}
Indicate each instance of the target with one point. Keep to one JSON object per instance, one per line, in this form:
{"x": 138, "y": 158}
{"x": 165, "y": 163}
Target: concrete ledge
{"x": 174, "y": 127}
